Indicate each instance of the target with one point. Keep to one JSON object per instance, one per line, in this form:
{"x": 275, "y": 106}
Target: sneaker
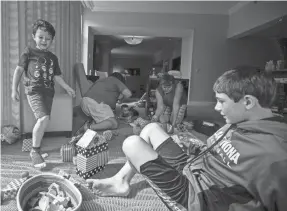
{"x": 37, "y": 159}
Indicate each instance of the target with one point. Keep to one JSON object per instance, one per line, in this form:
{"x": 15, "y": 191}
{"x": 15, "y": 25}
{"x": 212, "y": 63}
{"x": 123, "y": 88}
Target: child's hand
{"x": 129, "y": 119}
{"x": 15, "y": 96}
{"x": 71, "y": 92}
{"x": 154, "y": 118}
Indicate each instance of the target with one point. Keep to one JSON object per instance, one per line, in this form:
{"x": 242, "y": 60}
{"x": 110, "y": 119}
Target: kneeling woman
{"x": 171, "y": 102}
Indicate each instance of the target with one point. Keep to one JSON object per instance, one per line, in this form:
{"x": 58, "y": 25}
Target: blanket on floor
{"x": 141, "y": 198}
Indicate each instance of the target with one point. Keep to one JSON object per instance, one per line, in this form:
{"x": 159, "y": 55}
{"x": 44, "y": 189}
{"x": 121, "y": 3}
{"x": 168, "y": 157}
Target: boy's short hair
{"x": 124, "y": 106}
{"x": 45, "y": 26}
{"x": 247, "y": 80}
{"x": 166, "y": 79}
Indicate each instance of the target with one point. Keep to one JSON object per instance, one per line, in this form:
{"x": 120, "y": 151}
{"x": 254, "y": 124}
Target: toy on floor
{"x": 27, "y": 145}
{"x": 67, "y": 151}
{"x": 138, "y": 125}
{"x": 53, "y": 200}
{"x": 69, "y": 177}
{"x": 10, "y": 134}
{"x": 108, "y": 134}
{"x": 92, "y": 154}
{"x": 10, "y": 191}
{"x": 189, "y": 125}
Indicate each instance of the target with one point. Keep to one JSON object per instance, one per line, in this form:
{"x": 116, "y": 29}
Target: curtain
{"x": 17, "y": 18}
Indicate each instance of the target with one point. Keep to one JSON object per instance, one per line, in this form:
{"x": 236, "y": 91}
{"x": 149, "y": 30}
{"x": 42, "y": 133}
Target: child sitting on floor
{"x": 128, "y": 114}
{"x": 124, "y": 111}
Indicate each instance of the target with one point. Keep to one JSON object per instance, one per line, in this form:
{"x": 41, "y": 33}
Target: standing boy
{"x": 40, "y": 68}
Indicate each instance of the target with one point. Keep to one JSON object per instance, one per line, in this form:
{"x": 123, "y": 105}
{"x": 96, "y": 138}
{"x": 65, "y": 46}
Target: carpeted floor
{"x": 142, "y": 197}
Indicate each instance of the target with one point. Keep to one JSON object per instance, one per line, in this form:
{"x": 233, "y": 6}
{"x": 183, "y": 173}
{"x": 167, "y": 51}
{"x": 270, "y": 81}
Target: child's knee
{"x": 150, "y": 126}
{"x": 44, "y": 119}
{"x": 129, "y": 144}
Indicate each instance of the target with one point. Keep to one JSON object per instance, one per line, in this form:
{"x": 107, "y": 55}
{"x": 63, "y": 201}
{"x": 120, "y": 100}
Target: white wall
{"x": 252, "y": 50}
{"x": 90, "y": 51}
{"x": 169, "y": 53}
{"x": 212, "y": 53}
{"x": 186, "y": 61}
{"x": 255, "y": 16}
{"x": 145, "y": 65}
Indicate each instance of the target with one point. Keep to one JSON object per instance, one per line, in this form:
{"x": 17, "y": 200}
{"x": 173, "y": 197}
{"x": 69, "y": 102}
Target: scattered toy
{"x": 54, "y": 199}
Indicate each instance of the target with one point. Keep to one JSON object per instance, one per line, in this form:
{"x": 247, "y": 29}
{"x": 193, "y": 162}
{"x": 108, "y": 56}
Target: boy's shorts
{"x": 164, "y": 174}
{"x": 98, "y": 111}
{"x": 180, "y": 116}
{"x": 40, "y": 103}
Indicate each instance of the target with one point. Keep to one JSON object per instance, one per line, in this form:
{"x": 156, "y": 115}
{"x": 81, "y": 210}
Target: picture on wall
{"x": 134, "y": 71}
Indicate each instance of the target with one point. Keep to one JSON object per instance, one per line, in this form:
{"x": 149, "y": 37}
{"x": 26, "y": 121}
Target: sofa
{"x": 61, "y": 116}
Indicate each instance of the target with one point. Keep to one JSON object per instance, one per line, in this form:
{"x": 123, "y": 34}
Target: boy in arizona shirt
{"x": 242, "y": 167}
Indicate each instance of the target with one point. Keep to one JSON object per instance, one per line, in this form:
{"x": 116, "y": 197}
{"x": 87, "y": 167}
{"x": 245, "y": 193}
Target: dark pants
{"x": 164, "y": 174}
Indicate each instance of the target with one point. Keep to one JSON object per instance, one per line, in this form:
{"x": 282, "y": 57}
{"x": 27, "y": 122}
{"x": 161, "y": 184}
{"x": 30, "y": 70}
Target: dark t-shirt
{"x": 40, "y": 68}
{"x": 168, "y": 98}
{"x": 106, "y": 90}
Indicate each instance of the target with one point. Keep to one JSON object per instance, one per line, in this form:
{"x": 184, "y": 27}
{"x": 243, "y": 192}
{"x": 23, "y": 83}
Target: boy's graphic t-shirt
{"x": 40, "y": 68}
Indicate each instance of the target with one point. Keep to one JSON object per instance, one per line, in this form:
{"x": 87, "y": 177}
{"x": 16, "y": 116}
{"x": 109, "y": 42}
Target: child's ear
{"x": 250, "y": 101}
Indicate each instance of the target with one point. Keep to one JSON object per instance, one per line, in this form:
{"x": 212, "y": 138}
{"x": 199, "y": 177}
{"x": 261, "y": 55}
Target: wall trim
{"x": 237, "y": 7}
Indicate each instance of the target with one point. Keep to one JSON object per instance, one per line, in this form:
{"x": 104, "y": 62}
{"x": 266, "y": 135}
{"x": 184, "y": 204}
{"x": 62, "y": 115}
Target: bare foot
{"x": 109, "y": 187}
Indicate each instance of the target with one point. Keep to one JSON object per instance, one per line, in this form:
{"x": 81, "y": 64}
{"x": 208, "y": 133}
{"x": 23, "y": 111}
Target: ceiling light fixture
{"x": 133, "y": 40}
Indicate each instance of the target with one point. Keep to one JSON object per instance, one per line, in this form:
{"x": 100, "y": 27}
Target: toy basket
{"x": 41, "y": 182}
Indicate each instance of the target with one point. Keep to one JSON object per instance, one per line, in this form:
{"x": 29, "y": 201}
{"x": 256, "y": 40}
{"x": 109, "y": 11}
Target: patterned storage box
{"x": 67, "y": 152}
{"x": 88, "y": 174}
{"x": 27, "y": 145}
{"x": 87, "y": 164}
{"x": 93, "y": 150}
{"x": 92, "y": 154}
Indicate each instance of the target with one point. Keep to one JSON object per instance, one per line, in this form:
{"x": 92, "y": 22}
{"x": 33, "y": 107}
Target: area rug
{"x": 141, "y": 198}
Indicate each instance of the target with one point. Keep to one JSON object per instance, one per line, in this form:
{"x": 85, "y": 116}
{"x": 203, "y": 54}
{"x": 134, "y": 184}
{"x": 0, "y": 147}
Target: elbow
{"x": 128, "y": 95}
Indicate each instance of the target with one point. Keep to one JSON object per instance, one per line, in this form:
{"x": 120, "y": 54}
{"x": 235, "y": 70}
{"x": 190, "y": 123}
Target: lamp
{"x": 133, "y": 40}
